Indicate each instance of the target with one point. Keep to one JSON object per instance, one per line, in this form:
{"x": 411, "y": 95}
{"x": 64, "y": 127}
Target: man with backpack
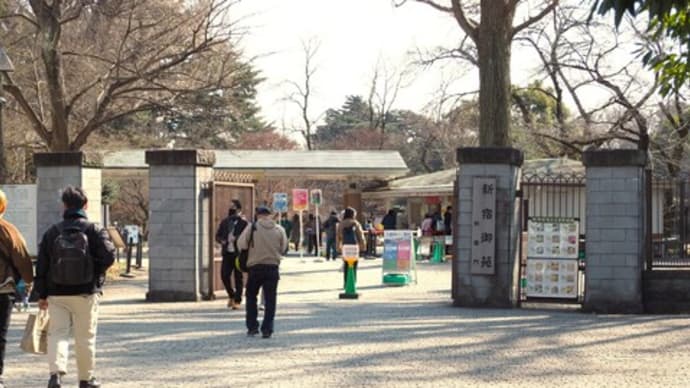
{"x": 228, "y": 232}
{"x": 15, "y": 265}
{"x": 266, "y": 241}
{"x": 73, "y": 257}
{"x": 349, "y": 232}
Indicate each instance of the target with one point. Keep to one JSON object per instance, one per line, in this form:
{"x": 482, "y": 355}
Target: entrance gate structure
{"x": 182, "y": 187}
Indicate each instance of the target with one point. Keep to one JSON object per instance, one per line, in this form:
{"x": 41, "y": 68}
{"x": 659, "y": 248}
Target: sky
{"x": 354, "y": 35}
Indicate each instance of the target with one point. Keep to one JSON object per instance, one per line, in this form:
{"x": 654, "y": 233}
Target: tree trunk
{"x": 493, "y": 45}
{"x": 48, "y": 17}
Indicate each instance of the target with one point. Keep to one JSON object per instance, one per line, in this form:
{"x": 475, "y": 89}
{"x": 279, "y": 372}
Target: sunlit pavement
{"x": 391, "y": 336}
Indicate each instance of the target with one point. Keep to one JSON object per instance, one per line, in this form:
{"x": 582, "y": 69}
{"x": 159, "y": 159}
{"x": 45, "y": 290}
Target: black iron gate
{"x": 561, "y": 196}
{"x": 668, "y": 208}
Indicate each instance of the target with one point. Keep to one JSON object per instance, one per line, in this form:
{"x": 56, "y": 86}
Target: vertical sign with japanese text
{"x": 483, "y": 226}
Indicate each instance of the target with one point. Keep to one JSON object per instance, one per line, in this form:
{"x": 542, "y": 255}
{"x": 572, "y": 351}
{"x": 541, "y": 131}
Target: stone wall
{"x": 615, "y": 231}
{"x": 178, "y": 245}
{"x": 667, "y": 291}
{"x": 501, "y": 289}
{"x": 55, "y": 171}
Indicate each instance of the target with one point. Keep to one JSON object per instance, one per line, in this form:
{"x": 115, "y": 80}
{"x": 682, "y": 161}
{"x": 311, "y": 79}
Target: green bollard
{"x": 437, "y": 256}
{"x": 350, "y": 287}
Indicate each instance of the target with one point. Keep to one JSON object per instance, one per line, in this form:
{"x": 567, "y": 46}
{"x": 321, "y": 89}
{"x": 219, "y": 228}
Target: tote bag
{"x": 35, "y": 338}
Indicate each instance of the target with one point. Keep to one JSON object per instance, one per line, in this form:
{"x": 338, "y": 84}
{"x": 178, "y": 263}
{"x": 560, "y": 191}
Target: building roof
{"x": 440, "y": 183}
{"x": 314, "y": 164}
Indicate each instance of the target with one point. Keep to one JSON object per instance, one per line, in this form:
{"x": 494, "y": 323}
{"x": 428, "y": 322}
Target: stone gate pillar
{"x": 55, "y": 171}
{"x": 615, "y": 230}
{"x": 179, "y": 215}
{"x": 475, "y": 282}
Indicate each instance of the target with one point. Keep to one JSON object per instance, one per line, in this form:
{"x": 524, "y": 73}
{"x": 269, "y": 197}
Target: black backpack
{"x": 71, "y": 263}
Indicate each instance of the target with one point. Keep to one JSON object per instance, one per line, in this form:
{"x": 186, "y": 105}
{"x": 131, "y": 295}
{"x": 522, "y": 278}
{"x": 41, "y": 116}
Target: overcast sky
{"x": 353, "y": 36}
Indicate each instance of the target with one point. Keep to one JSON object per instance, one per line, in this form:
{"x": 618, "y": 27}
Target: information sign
{"x": 351, "y": 251}
{"x": 280, "y": 202}
{"x": 552, "y": 258}
{"x": 300, "y": 199}
{"x": 316, "y": 197}
{"x": 398, "y": 253}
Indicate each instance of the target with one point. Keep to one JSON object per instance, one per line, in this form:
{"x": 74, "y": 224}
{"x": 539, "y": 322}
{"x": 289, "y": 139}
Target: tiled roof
{"x": 442, "y": 181}
{"x": 361, "y": 163}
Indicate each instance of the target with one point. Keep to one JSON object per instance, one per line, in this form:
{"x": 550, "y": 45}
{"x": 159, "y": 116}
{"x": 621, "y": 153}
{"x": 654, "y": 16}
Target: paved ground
{"x": 407, "y": 336}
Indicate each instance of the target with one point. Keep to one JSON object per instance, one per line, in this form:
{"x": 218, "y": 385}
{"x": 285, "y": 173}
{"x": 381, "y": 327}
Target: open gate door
{"x": 221, "y": 195}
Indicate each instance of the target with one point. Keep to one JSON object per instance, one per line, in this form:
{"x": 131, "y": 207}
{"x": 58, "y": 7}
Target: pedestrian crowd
{"x": 74, "y": 255}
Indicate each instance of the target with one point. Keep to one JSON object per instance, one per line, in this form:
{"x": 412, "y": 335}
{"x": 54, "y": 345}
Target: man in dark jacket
{"x": 228, "y": 232}
{"x": 73, "y": 257}
{"x": 15, "y": 264}
{"x": 330, "y": 228}
{"x": 389, "y": 220}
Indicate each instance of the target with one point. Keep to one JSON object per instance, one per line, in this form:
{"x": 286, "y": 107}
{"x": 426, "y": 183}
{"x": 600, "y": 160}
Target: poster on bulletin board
{"x": 552, "y": 269}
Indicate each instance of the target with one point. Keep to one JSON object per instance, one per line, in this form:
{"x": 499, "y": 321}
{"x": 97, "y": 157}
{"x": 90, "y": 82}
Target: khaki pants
{"x": 79, "y": 314}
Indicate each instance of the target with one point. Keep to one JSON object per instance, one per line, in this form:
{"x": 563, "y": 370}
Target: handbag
{"x": 35, "y": 338}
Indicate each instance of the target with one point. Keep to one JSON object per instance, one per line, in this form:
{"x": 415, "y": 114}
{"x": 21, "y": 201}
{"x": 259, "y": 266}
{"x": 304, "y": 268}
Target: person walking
{"x": 349, "y": 232}
{"x": 448, "y": 220}
{"x": 15, "y": 266}
{"x": 389, "y": 221}
{"x": 228, "y": 232}
{"x": 295, "y": 232}
{"x": 73, "y": 256}
{"x": 287, "y": 225}
{"x": 330, "y": 228}
{"x": 311, "y": 235}
{"x": 266, "y": 241}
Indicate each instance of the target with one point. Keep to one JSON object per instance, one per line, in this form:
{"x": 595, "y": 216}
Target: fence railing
{"x": 668, "y": 204}
{"x": 668, "y": 211}
{"x": 560, "y": 195}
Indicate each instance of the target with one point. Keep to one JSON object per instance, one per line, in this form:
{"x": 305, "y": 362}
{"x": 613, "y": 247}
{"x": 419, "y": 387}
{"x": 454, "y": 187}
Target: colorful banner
{"x": 398, "y": 254}
{"x": 300, "y": 199}
{"x": 280, "y": 202}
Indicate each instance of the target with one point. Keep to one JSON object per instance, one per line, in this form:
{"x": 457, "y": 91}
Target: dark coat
{"x": 101, "y": 248}
{"x": 235, "y": 221}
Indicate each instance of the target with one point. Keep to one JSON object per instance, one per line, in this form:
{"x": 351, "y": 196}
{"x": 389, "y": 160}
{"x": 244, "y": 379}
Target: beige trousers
{"x": 77, "y": 314}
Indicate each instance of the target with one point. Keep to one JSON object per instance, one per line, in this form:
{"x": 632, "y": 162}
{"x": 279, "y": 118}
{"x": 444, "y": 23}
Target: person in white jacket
{"x": 266, "y": 241}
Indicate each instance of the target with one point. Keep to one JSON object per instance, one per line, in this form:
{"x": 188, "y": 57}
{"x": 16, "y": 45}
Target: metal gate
{"x": 668, "y": 210}
{"x": 560, "y": 196}
{"x": 221, "y": 194}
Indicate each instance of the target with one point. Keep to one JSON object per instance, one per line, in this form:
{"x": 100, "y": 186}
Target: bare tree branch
{"x": 530, "y": 21}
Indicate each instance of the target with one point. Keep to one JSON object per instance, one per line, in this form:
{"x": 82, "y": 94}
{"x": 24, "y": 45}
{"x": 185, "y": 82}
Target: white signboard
{"x": 21, "y": 212}
{"x": 483, "y": 226}
{"x": 552, "y": 238}
{"x": 552, "y": 258}
{"x": 351, "y": 251}
{"x": 552, "y": 278}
